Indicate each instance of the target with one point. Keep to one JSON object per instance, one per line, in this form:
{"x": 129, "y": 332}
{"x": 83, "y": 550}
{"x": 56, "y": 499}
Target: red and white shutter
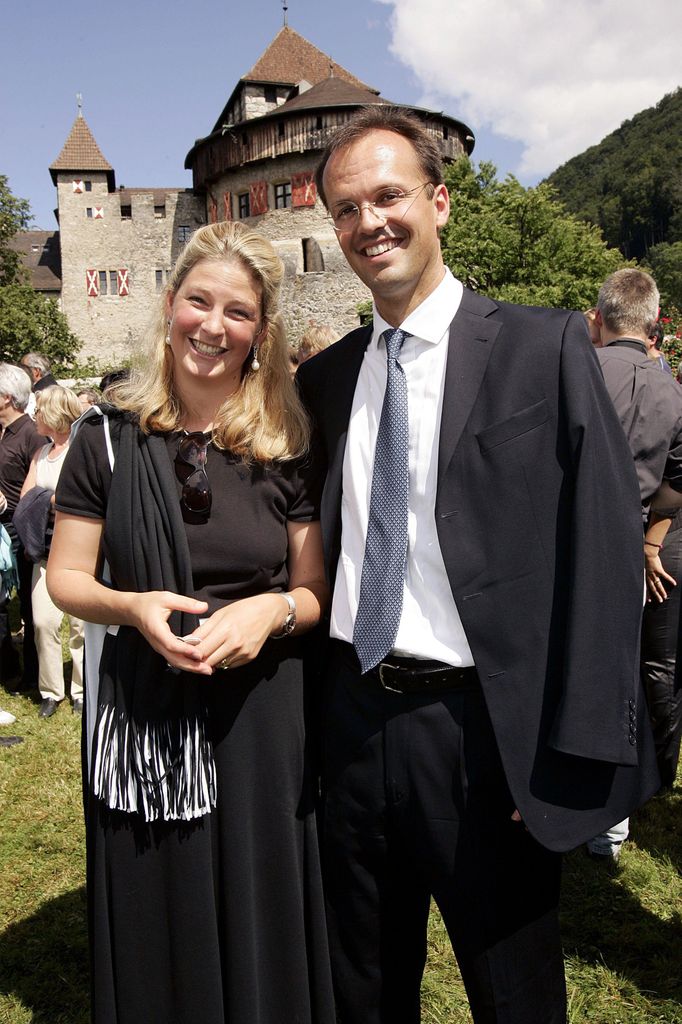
{"x": 227, "y": 206}
{"x": 303, "y": 189}
{"x": 78, "y": 185}
{"x": 92, "y": 283}
{"x": 98, "y": 213}
{"x": 123, "y": 283}
{"x": 258, "y": 197}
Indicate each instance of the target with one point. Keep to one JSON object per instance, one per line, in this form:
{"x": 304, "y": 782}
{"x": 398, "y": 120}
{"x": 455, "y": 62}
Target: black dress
{"x": 219, "y": 920}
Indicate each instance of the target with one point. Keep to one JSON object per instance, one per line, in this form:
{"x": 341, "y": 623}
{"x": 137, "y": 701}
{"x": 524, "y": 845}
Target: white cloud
{"x": 556, "y": 75}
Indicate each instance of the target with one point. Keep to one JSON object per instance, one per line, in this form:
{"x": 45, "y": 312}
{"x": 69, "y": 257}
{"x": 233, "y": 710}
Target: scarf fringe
{"x": 154, "y": 769}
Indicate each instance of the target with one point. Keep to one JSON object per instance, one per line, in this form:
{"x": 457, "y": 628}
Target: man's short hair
{"x": 387, "y": 118}
{"x": 629, "y": 302}
{"x": 37, "y": 361}
{"x": 15, "y": 383}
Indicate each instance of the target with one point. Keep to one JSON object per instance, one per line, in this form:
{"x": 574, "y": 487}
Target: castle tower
{"x": 258, "y": 164}
{"x": 117, "y": 247}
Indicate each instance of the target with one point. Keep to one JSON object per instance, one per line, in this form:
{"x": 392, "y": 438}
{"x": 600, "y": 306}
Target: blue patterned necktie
{"x": 383, "y": 568}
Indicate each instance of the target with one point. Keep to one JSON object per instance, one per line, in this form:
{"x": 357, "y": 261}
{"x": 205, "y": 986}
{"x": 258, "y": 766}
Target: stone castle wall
{"x": 112, "y": 325}
{"x": 326, "y": 297}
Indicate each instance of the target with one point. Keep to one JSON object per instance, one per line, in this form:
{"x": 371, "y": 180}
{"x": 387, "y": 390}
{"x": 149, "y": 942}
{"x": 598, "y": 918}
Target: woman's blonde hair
{"x": 58, "y": 407}
{"x": 264, "y": 419}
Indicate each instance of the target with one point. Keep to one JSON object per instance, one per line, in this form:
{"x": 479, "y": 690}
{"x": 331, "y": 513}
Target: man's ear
{"x": 441, "y": 201}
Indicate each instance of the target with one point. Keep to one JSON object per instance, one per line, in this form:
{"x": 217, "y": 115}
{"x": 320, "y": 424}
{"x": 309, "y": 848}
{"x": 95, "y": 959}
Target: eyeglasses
{"x": 346, "y": 215}
{"x": 190, "y": 469}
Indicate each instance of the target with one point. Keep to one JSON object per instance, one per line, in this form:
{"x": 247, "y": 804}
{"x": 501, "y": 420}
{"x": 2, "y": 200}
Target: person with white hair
{"x": 19, "y": 441}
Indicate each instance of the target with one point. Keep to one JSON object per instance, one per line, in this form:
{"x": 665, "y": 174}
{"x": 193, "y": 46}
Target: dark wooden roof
{"x": 42, "y": 257}
{"x": 80, "y": 154}
{"x": 331, "y": 92}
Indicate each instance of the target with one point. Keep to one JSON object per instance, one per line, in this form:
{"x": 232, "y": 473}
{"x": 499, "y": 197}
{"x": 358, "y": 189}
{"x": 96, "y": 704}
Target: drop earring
{"x": 255, "y": 365}
{"x": 168, "y": 327}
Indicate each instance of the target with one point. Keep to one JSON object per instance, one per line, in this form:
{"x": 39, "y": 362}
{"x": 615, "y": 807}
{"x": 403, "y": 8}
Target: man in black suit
{"x": 483, "y": 540}
{"x": 38, "y": 366}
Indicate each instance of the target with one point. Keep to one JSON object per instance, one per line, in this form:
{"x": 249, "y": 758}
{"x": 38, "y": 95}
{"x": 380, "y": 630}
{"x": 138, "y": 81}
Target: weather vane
{"x": 285, "y": 9}
{"x": 79, "y": 101}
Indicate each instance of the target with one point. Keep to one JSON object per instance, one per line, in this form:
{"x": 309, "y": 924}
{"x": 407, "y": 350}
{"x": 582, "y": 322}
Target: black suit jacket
{"x": 47, "y": 381}
{"x": 538, "y": 519}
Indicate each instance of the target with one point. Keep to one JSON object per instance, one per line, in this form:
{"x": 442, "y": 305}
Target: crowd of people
{"x": 36, "y": 420}
{"x": 347, "y": 647}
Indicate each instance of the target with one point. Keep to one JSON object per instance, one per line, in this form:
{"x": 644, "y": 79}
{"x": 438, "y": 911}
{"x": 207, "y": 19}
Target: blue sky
{"x": 154, "y": 77}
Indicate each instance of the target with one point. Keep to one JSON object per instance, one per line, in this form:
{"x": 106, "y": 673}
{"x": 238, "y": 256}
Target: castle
{"x": 115, "y": 247}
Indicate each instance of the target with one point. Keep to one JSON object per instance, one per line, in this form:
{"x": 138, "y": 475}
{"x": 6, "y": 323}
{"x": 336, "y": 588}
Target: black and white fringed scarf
{"x": 150, "y": 754}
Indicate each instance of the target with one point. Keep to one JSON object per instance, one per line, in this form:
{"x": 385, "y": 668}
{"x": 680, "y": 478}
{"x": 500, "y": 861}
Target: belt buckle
{"x": 380, "y": 668}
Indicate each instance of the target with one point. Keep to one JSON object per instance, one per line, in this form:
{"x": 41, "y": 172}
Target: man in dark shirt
{"x": 19, "y": 441}
{"x": 649, "y": 405}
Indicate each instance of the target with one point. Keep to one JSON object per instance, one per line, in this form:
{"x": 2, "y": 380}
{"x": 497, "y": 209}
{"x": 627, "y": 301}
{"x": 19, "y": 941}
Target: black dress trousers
{"x": 416, "y": 805}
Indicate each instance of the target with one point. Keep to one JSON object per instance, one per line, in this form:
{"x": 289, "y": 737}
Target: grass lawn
{"x": 622, "y": 931}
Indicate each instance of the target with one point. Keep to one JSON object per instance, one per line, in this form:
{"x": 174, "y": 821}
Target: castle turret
{"x": 117, "y": 246}
{"x": 259, "y": 160}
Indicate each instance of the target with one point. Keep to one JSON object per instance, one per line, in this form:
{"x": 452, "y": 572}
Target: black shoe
{"x": 22, "y": 686}
{"x": 47, "y": 707}
{"x": 77, "y": 706}
{"x": 10, "y": 741}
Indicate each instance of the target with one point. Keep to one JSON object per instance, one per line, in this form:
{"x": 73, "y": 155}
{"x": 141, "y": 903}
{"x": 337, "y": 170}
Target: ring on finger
{"x": 225, "y": 663}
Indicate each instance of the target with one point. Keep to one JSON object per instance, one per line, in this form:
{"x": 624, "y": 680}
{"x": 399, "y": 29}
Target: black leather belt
{"x": 415, "y": 675}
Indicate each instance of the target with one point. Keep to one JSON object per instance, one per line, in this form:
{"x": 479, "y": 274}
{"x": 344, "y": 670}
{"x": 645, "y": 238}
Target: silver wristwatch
{"x": 289, "y": 624}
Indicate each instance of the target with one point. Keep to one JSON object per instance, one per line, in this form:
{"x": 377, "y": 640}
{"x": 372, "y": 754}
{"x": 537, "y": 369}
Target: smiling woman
{"x": 215, "y": 323}
{"x": 208, "y": 521}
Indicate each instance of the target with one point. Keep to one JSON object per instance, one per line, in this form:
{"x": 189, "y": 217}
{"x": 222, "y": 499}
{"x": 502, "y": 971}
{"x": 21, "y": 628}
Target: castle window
{"x": 318, "y": 123}
{"x": 159, "y": 280}
{"x": 88, "y": 212}
{"x": 445, "y": 131}
{"x": 126, "y": 213}
{"x": 280, "y": 130}
{"x": 88, "y": 186}
{"x": 313, "y": 263}
{"x": 184, "y": 233}
{"x": 283, "y": 195}
{"x": 160, "y": 211}
{"x": 244, "y": 204}
{"x": 270, "y": 94}
{"x": 103, "y": 282}
{"x": 113, "y": 282}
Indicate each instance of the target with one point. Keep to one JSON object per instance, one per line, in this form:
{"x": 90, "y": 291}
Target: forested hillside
{"x": 630, "y": 185}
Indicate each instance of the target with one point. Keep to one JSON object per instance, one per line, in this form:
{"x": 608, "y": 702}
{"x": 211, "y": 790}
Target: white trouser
{"x": 47, "y": 622}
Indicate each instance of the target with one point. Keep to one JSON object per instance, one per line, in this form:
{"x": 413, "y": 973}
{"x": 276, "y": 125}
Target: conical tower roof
{"x": 80, "y": 153}
{"x": 290, "y": 58}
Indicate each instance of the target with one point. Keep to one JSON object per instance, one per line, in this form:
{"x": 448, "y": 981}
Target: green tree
{"x": 28, "y": 320}
{"x": 15, "y": 215}
{"x": 519, "y": 244}
{"x": 665, "y": 263}
{"x": 31, "y": 323}
{"x": 630, "y": 184}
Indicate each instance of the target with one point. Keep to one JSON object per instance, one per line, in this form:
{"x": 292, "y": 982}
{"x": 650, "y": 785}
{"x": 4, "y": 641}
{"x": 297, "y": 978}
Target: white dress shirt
{"x": 430, "y": 626}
